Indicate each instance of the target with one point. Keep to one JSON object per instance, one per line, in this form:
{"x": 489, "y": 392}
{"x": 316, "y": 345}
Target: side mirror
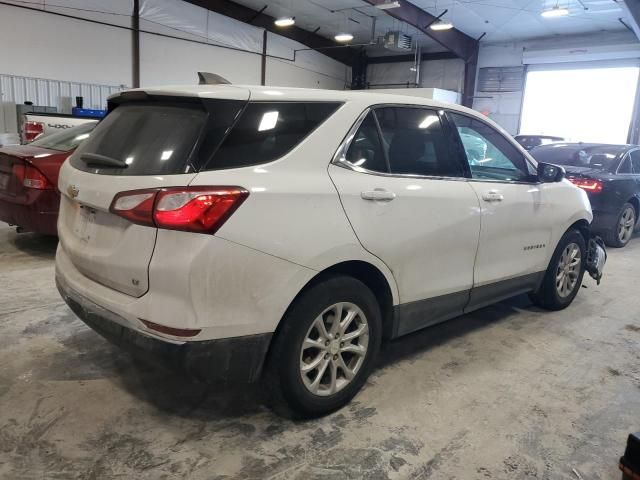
{"x": 548, "y": 173}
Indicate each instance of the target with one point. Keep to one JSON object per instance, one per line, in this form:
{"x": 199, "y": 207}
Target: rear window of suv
{"x": 267, "y": 131}
{"x": 151, "y": 139}
{"x": 154, "y": 138}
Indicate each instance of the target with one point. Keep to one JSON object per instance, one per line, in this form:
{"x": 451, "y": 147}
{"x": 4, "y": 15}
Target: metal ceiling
{"x": 502, "y": 20}
{"x": 513, "y": 20}
{"x": 336, "y": 16}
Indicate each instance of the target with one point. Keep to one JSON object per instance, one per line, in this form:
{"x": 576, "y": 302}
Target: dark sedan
{"x": 29, "y": 196}
{"x": 610, "y": 174}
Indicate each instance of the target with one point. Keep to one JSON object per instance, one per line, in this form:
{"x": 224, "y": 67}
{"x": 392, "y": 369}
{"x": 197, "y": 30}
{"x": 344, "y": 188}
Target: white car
{"x": 275, "y": 234}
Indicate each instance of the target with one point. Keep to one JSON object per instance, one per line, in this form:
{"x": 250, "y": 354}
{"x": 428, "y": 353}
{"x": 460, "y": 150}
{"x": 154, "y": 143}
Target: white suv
{"x": 257, "y": 233}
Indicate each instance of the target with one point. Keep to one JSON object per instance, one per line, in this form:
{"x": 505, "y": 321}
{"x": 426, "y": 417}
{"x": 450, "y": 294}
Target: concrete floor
{"x": 509, "y": 392}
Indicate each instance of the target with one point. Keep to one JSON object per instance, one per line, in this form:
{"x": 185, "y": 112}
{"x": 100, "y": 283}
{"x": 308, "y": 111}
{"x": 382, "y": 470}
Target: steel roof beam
{"x": 461, "y": 44}
{"x": 632, "y": 8}
{"x": 263, "y": 20}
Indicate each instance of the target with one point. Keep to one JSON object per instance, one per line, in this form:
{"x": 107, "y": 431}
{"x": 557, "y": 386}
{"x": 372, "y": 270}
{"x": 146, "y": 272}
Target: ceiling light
{"x": 555, "y": 12}
{"x": 388, "y": 5}
{"x": 343, "y": 37}
{"x": 440, "y": 25}
{"x": 284, "y": 22}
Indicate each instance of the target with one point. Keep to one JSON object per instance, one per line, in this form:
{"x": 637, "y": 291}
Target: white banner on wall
{"x": 114, "y": 12}
{"x": 180, "y": 18}
{"x": 177, "y": 40}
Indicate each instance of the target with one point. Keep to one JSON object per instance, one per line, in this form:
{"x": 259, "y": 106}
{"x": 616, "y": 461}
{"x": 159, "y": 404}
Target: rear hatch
{"x": 147, "y": 141}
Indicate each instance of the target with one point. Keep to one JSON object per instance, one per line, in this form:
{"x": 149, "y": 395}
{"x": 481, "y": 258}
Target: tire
{"x": 554, "y": 293}
{"x": 622, "y": 231}
{"x": 288, "y": 391}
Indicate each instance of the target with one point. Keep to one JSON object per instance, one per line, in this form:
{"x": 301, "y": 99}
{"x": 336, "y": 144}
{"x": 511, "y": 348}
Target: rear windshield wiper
{"x": 102, "y": 160}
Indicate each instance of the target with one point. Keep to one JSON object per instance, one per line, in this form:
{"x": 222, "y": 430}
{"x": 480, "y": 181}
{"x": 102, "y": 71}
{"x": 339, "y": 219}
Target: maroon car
{"x": 29, "y": 196}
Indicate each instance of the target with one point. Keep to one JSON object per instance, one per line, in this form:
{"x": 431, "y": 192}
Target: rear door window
{"x": 267, "y": 131}
{"x": 416, "y": 143}
{"x": 154, "y": 138}
{"x": 635, "y": 161}
{"x": 365, "y": 151}
{"x": 625, "y": 166}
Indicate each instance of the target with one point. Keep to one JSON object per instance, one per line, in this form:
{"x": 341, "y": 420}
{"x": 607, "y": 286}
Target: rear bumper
{"x": 39, "y": 213}
{"x": 238, "y": 359}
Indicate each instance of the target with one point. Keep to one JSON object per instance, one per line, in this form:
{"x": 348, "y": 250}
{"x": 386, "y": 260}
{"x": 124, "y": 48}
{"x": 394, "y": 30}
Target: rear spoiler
{"x": 204, "y": 78}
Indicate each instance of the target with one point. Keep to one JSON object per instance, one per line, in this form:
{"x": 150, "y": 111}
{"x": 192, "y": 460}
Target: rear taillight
{"x": 31, "y": 177}
{"x": 587, "y": 184}
{"x": 32, "y": 130}
{"x": 191, "y": 209}
{"x": 136, "y": 206}
{"x": 197, "y": 209}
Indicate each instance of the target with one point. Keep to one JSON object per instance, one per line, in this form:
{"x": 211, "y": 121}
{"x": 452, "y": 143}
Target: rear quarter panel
{"x": 293, "y": 211}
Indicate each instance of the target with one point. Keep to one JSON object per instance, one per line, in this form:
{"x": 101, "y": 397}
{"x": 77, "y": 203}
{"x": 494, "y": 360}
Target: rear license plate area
{"x": 84, "y": 227}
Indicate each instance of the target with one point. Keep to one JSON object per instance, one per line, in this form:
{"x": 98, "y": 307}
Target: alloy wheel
{"x": 626, "y": 224}
{"x": 334, "y": 349}
{"x": 568, "y": 270}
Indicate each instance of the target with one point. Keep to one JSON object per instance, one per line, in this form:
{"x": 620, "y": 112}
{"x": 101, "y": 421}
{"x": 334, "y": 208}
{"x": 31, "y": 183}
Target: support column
{"x": 263, "y": 68}
{"x": 470, "y": 68}
{"x": 135, "y": 50}
{"x": 634, "y": 128}
{"x": 359, "y": 71}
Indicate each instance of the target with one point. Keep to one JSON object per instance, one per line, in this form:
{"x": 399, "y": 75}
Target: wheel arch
{"x": 583, "y": 227}
{"x": 635, "y": 202}
{"x": 369, "y": 274}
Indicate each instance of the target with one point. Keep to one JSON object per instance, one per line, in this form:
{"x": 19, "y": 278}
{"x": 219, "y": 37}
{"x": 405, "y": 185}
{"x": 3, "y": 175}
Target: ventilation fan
{"x": 397, "y": 41}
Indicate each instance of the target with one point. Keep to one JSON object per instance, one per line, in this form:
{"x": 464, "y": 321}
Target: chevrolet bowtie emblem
{"x": 73, "y": 191}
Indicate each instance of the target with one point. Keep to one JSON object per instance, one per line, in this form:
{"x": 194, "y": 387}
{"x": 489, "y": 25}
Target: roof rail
{"x": 206, "y": 78}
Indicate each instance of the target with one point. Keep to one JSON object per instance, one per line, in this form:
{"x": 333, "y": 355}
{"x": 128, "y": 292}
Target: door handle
{"x": 493, "y": 196}
{"x": 379, "y": 194}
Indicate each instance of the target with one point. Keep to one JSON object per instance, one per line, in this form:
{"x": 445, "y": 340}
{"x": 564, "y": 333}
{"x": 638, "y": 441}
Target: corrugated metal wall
{"x": 50, "y": 93}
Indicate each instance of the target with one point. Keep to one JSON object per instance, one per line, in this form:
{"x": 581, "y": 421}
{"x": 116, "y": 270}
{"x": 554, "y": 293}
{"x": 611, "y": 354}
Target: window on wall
{"x": 581, "y": 104}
